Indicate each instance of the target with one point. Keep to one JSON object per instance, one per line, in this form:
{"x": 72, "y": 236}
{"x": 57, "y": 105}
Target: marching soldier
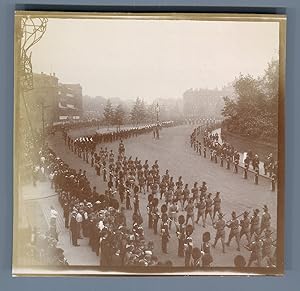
{"x": 245, "y": 227}
{"x": 201, "y": 211}
{"x": 204, "y": 152}
{"x": 173, "y": 209}
{"x": 200, "y": 148}
{"x": 155, "y": 218}
{"x": 188, "y": 245}
{"x": 195, "y": 192}
{"x": 256, "y": 251}
{"x": 203, "y": 190}
{"x": 208, "y": 208}
{"x": 267, "y": 248}
{"x": 234, "y": 230}
{"x": 186, "y": 194}
{"x": 181, "y": 235}
{"x": 217, "y": 204}
{"x": 149, "y": 210}
{"x": 164, "y": 231}
{"x": 207, "y": 258}
{"x": 254, "y": 223}
{"x": 205, "y": 242}
{"x": 265, "y": 220}
{"x": 190, "y": 212}
{"x": 220, "y": 227}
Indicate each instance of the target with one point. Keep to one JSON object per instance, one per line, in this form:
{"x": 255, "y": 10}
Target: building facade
{"x": 206, "y": 103}
{"x": 51, "y": 102}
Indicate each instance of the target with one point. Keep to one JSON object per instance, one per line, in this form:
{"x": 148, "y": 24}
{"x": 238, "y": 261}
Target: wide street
{"x": 173, "y": 152}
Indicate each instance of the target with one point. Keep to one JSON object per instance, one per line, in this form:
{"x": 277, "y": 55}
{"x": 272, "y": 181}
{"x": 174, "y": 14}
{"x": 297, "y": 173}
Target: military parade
{"x": 112, "y": 220}
{"x": 181, "y": 171}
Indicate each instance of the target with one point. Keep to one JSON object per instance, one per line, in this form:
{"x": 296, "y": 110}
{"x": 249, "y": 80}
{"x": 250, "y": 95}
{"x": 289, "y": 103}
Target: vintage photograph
{"x": 148, "y": 144}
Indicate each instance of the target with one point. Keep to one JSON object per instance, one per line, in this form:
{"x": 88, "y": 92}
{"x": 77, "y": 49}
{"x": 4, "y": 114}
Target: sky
{"x": 153, "y": 59}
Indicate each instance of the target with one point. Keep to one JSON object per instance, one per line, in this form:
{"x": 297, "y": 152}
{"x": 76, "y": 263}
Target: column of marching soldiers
{"x": 130, "y": 178}
{"x": 228, "y": 156}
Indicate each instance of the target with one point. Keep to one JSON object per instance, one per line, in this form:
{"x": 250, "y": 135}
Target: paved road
{"x": 174, "y": 153}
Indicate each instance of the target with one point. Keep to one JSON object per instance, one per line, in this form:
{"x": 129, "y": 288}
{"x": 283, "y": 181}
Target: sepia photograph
{"x": 148, "y": 144}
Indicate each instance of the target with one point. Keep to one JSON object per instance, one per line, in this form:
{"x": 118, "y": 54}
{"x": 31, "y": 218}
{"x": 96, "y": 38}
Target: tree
{"x": 108, "y": 113}
{"x": 138, "y": 111}
{"x": 119, "y": 116}
{"x": 255, "y": 111}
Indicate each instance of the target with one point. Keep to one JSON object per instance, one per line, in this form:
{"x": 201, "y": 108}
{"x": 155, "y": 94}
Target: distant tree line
{"x": 140, "y": 113}
{"x": 254, "y": 112}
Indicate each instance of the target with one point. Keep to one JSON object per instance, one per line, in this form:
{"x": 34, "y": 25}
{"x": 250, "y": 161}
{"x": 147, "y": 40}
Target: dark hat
{"x": 256, "y": 210}
{"x": 246, "y": 213}
{"x": 265, "y": 207}
{"x": 233, "y": 213}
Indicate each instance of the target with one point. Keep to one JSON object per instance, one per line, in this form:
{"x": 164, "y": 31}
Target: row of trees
{"x": 139, "y": 113}
{"x": 254, "y": 112}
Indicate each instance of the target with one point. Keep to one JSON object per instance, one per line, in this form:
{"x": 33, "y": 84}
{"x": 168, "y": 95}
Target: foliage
{"x": 119, "y": 116}
{"x": 255, "y": 110}
{"x": 108, "y": 113}
{"x": 138, "y": 112}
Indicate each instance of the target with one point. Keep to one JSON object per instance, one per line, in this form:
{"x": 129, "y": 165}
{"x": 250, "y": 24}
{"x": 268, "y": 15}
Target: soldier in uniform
{"x": 245, "y": 227}
{"x": 265, "y": 220}
{"x": 217, "y": 204}
{"x": 234, "y": 224}
{"x": 273, "y": 182}
{"x": 173, "y": 210}
{"x": 256, "y": 251}
{"x": 204, "y": 152}
{"x": 205, "y": 247}
{"x": 201, "y": 211}
{"x": 256, "y": 177}
{"x": 190, "y": 212}
{"x": 200, "y": 148}
{"x": 220, "y": 227}
{"x": 165, "y": 235}
{"x": 254, "y": 223}
{"x": 228, "y": 162}
{"x": 203, "y": 190}
{"x": 180, "y": 235}
{"x": 195, "y": 192}
{"x": 188, "y": 245}
{"x": 208, "y": 208}
{"x": 222, "y": 160}
{"x": 149, "y": 210}
{"x": 267, "y": 248}
{"x": 186, "y": 194}
{"x": 236, "y": 163}
{"x": 155, "y": 218}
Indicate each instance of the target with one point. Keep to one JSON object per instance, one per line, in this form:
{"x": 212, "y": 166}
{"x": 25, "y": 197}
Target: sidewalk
{"x": 36, "y": 204}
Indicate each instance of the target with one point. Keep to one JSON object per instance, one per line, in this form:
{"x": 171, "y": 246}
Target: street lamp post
{"x": 157, "y": 111}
